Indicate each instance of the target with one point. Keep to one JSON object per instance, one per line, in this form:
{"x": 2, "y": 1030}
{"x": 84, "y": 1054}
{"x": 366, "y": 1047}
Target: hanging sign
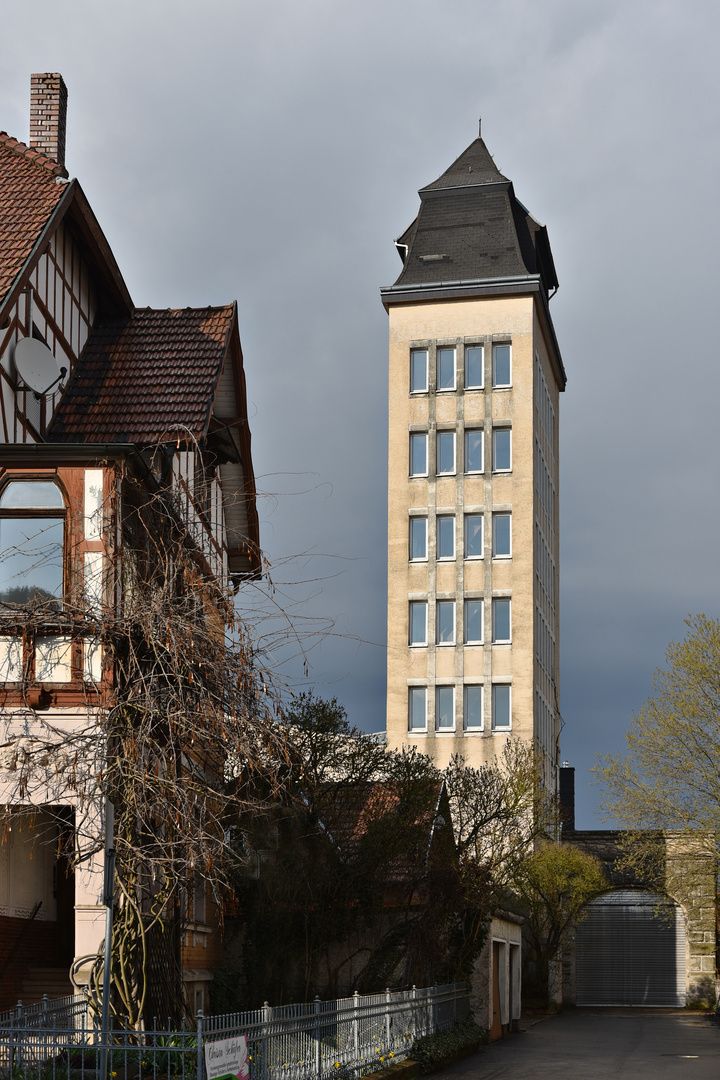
{"x": 227, "y": 1058}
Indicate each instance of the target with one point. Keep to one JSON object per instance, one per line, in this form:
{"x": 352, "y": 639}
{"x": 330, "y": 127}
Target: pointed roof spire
{"x": 474, "y": 167}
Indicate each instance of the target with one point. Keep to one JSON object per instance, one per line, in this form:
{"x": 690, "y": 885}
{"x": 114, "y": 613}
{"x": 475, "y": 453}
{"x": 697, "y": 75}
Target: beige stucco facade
{"x": 527, "y": 491}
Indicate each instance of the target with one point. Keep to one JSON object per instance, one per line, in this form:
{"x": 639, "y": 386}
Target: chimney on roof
{"x": 48, "y": 111}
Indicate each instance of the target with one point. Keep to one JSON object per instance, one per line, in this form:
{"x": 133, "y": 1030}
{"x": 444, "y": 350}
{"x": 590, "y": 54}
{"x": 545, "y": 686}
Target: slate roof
{"x": 145, "y": 377}
{"x": 29, "y": 192}
{"x": 472, "y": 227}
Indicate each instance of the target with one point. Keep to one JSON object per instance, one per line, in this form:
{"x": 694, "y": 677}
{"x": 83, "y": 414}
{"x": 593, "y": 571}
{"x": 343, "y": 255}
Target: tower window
{"x": 473, "y": 708}
{"x": 444, "y": 708}
{"x": 445, "y": 537}
{"x": 502, "y": 536}
{"x": 501, "y": 715}
{"x": 445, "y": 453}
{"x": 418, "y": 371}
{"x": 445, "y": 622}
{"x": 446, "y": 369}
{"x": 474, "y": 462}
{"x": 502, "y": 449}
{"x": 418, "y": 622}
{"x": 418, "y": 454}
{"x": 501, "y": 620}
{"x": 502, "y": 366}
{"x": 474, "y": 544}
{"x": 474, "y": 367}
{"x": 418, "y": 538}
{"x": 474, "y": 634}
{"x": 417, "y": 708}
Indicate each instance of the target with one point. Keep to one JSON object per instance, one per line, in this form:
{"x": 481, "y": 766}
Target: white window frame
{"x": 466, "y": 637}
{"x": 466, "y": 518}
{"x": 498, "y": 385}
{"x": 438, "y": 690}
{"x": 476, "y": 727}
{"x": 507, "y": 727}
{"x": 481, "y": 384}
{"x": 481, "y": 433}
{"x": 412, "y": 692}
{"x": 496, "y": 430}
{"x": 413, "y": 353}
{"x": 445, "y": 389}
{"x": 445, "y": 558}
{"x": 438, "y": 436}
{"x": 444, "y": 644}
{"x": 498, "y": 514}
{"x": 413, "y": 521}
{"x": 501, "y": 600}
{"x": 418, "y": 435}
{"x": 417, "y": 644}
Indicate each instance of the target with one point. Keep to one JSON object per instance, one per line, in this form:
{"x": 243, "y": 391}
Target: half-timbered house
{"x": 90, "y": 388}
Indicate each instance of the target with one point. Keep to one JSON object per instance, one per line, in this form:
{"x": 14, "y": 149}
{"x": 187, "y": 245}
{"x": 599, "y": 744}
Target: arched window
{"x": 32, "y": 535}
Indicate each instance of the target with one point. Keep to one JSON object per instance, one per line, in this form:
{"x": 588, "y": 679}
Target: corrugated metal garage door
{"x": 630, "y": 954}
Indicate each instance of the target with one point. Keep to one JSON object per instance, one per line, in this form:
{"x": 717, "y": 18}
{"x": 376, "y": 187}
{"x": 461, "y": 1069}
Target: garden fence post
{"x": 356, "y": 1032}
{"x": 318, "y": 1046}
{"x": 388, "y": 1024}
{"x": 435, "y": 1008}
{"x": 265, "y": 1042}
{"x": 199, "y": 1054}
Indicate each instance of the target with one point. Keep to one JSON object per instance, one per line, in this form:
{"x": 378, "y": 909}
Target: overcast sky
{"x": 271, "y": 152}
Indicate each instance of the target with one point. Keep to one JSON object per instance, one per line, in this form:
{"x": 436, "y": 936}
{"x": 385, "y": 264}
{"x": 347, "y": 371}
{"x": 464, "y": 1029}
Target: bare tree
{"x": 176, "y": 727}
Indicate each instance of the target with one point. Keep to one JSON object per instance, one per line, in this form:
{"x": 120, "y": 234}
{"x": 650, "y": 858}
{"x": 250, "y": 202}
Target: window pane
{"x": 444, "y": 708}
{"x": 31, "y": 560}
{"x": 501, "y": 620}
{"x": 445, "y": 538}
{"x": 500, "y": 706}
{"x": 418, "y": 455}
{"x": 501, "y": 449}
{"x": 501, "y": 535}
{"x": 473, "y": 708}
{"x": 417, "y": 700}
{"x": 418, "y": 622}
{"x": 474, "y": 357}
{"x": 445, "y": 622}
{"x": 501, "y": 365}
{"x": 474, "y": 451}
{"x": 418, "y": 370}
{"x": 418, "y": 538}
{"x": 445, "y": 452}
{"x": 446, "y": 369}
{"x": 474, "y": 536}
{"x": 473, "y": 621}
{"x": 26, "y": 494}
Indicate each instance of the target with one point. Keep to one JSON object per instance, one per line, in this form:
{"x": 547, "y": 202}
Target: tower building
{"x": 475, "y": 378}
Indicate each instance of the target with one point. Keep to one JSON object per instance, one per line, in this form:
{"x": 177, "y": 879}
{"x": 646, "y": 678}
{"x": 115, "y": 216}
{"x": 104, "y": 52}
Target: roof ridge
{"x": 180, "y": 310}
{"x": 31, "y": 154}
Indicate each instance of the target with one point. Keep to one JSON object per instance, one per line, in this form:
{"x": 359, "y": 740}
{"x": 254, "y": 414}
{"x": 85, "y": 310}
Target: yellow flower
{"x": 391, "y": 1054}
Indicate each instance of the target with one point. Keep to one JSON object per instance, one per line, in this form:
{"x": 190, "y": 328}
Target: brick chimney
{"x": 48, "y": 110}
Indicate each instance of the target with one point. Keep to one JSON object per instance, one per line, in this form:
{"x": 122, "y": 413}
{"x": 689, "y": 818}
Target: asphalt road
{"x": 585, "y": 1044}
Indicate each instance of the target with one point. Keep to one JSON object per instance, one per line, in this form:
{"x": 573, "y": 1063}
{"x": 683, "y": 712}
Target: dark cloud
{"x": 272, "y": 152}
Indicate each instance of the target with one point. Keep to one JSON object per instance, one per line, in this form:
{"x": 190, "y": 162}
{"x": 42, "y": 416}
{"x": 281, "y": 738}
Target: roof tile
{"x": 29, "y": 193}
{"x": 145, "y": 377}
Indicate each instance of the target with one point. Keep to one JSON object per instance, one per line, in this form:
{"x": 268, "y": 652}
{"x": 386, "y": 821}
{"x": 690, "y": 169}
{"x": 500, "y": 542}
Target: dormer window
{"x": 32, "y": 535}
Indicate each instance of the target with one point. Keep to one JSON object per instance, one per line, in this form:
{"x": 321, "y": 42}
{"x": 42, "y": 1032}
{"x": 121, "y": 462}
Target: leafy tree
{"x": 669, "y": 776}
{"x": 554, "y": 885}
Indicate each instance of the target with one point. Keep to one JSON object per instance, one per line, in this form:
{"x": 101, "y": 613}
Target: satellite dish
{"x": 36, "y": 365}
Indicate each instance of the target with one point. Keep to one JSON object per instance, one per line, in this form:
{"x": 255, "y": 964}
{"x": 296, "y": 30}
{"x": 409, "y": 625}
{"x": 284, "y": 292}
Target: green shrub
{"x": 432, "y": 1050}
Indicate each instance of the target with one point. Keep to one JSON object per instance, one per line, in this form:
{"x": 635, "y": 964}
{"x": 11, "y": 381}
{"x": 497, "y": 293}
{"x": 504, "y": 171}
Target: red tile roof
{"x": 146, "y": 377}
{"x": 29, "y": 192}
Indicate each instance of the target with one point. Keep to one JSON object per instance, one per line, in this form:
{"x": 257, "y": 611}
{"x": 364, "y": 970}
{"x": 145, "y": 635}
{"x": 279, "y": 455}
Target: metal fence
{"x": 311, "y": 1041}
